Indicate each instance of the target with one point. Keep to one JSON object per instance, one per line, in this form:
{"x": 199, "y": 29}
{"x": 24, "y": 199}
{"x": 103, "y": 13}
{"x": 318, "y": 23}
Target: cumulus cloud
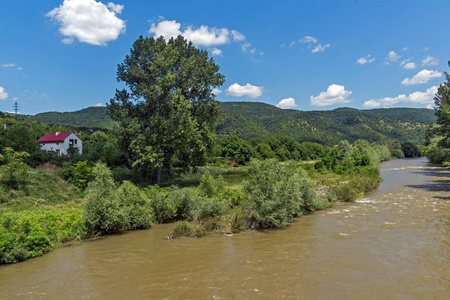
{"x": 408, "y": 64}
{"x": 216, "y": 91}
{"x": 247, "y": 90}
{"x": 392, "y": 57}
{"x": 422, "y": 77}
{"x": 10, "y": 65}
{"x": 424, "y": 98}
{"x": 99, "y": 105}
{"x": 202, "y": 36}
{"x": 287, "y": 103}
{"x": 430, "y": 61}
{"x": 365, "y": 60}
{"x": 216, "y": 52}
{"x": 335, "y": 94}
{"x": 89, "y": 21}
{"x": 3, "y": 93}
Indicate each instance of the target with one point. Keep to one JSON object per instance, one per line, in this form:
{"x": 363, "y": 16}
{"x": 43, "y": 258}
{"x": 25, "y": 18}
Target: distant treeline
{"x": 252, "y": 119}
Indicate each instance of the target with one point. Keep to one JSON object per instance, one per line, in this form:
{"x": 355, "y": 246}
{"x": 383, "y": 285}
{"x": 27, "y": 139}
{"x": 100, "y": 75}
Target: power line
{"x": 16, "y": 107}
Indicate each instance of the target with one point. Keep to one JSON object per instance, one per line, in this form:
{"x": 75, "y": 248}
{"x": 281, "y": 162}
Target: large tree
{"x": 442, "y": 110}
{"x": 166, "y": 117}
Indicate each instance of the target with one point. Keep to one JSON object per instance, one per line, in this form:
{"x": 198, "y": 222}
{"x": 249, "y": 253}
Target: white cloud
{"x": 407, "y": 64}
{"x": 117, "y": 8}
{"x": 365, "y": 60}
{"x": 410, "y": 65}
{"x": 237, "y": 36}
{"x": 3, "y": 93}
{"x": 165, "y": 28}
{"x": 405, "y": 48}
{"x": 320, "y": 48}
{"x": 247, "y": 90}
{"x": 19, "y": 69}
{"x": 245, "y": 47}
{"x": 422, "y": 77}
{"x": 99, "y": 105}
{"x": 216, "y": 52}
{"x": 216, "y": 91}
{"x": 202, "y": 36}
{"x": 425, "y": 98}
{"x": 287, "y": 103}
{"x": 89, "y": 21}
{"x": 308, "y": 39}
{"x": 10, "y": 65}
{"x": 335, "y": 94}
{"x": 291, "y": 44}
{"x": 430, "y": 61}
{"x": 392, "y": 57}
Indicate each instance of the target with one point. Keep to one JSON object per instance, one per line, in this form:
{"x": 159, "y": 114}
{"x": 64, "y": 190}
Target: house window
{"x": 57, "y": 143}
{"x": 75, "y": 142}
{"x": 57, "y": 151}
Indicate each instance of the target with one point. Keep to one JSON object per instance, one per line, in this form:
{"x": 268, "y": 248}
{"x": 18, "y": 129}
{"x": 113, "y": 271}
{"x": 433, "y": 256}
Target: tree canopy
{"x": 166, "y": 116}
{"x": 442, "y": 111}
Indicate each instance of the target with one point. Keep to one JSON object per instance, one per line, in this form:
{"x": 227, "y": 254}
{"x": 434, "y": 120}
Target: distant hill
{"x": 254, "y": 119}
{"x": 91, "y": 117}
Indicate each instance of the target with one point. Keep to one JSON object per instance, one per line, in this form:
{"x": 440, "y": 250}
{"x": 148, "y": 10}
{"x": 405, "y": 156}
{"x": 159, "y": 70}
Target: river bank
{"x": 393, "y": 243}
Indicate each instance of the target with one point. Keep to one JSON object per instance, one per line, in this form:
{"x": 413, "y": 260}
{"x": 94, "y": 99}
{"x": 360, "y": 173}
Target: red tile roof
{"x": 54, "y": 138}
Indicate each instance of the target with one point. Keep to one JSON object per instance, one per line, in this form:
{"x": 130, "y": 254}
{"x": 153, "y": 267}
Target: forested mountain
{"x": 254, "y": 119}
{"x": 92, "y": 117}
{"x": 250, "y": 119}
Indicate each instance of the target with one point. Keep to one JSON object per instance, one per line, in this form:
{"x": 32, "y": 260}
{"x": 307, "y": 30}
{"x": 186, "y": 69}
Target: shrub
{"x": 135, "y": 205}
{"x": 344, "y": 192}
{"x": 183, "y": 228}
{"x": 164, "y": 207}
{"x": 277, "y": 194}
{"x": 102, "y": 211}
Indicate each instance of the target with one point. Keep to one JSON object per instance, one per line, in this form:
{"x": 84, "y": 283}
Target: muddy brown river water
{"x": 392, "y": 244}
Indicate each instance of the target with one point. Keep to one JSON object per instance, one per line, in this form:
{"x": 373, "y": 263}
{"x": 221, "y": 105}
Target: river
{"x": 392, "y": 244}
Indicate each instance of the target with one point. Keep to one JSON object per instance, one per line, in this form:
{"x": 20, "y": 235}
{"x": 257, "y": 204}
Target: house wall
{"x": 63, "y": 146}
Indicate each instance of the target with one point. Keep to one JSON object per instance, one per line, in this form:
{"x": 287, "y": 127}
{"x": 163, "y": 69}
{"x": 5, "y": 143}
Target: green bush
{"x": 344, "y": 192}
{"x": 102, "y": 213}
{"x": 136, "y": 206}
{"x": 276, "y": 194}
{"x": 183, "y": 228}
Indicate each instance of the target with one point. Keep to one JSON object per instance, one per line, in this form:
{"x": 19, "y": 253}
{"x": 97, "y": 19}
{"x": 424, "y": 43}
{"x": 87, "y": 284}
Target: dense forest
{"x": 253, "y": 119}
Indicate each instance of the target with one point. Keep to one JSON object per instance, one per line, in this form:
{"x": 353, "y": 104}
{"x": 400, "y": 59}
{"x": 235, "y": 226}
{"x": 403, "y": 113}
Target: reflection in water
{"x": 393, "y": 243}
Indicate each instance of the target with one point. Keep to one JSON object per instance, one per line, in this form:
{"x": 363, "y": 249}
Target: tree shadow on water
{"x": 440, "y": 184}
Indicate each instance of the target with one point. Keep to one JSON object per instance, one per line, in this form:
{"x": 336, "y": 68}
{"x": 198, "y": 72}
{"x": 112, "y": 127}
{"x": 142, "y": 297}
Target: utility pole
{"x": 16, "y": 107}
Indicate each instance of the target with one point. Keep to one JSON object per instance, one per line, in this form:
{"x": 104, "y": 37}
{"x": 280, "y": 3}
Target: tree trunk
{"x": 158, "y": 175}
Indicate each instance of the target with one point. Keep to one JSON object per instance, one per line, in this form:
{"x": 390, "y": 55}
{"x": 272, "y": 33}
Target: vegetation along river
{"x": 392, "y": 244}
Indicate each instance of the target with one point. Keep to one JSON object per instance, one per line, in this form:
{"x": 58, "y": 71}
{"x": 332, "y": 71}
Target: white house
{"x": 60, "y": 142}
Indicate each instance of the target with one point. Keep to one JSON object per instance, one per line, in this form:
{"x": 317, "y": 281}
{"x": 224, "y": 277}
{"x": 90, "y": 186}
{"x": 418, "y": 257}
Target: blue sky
{"x": 306, "y": 55}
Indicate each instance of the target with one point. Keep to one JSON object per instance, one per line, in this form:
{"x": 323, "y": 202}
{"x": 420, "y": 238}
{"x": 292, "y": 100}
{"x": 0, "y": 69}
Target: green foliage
{"x": 14, "y": 170}
{"x": 410, "y": 150}
{"x": 436, "y": 153}
{"x": 235, "y": 148}
{"x": 210, "y": 187}
{"x": 249, "y": 120}
{"x": 276, "y": 194}
{"x": 101, "y": 211}
{"x": 109, "y": 209}
{"x": 30, "y": 233}
{"x": 167, "y": 120}
{"x": 81, "y": 174}
{"x": 183, "y": 228}
{"x": 136, "y": 206}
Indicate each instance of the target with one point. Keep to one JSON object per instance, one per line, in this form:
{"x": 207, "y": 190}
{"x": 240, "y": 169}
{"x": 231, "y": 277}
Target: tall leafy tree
{"x": 166, "y": 116}
{"x": 442, "y": 111}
